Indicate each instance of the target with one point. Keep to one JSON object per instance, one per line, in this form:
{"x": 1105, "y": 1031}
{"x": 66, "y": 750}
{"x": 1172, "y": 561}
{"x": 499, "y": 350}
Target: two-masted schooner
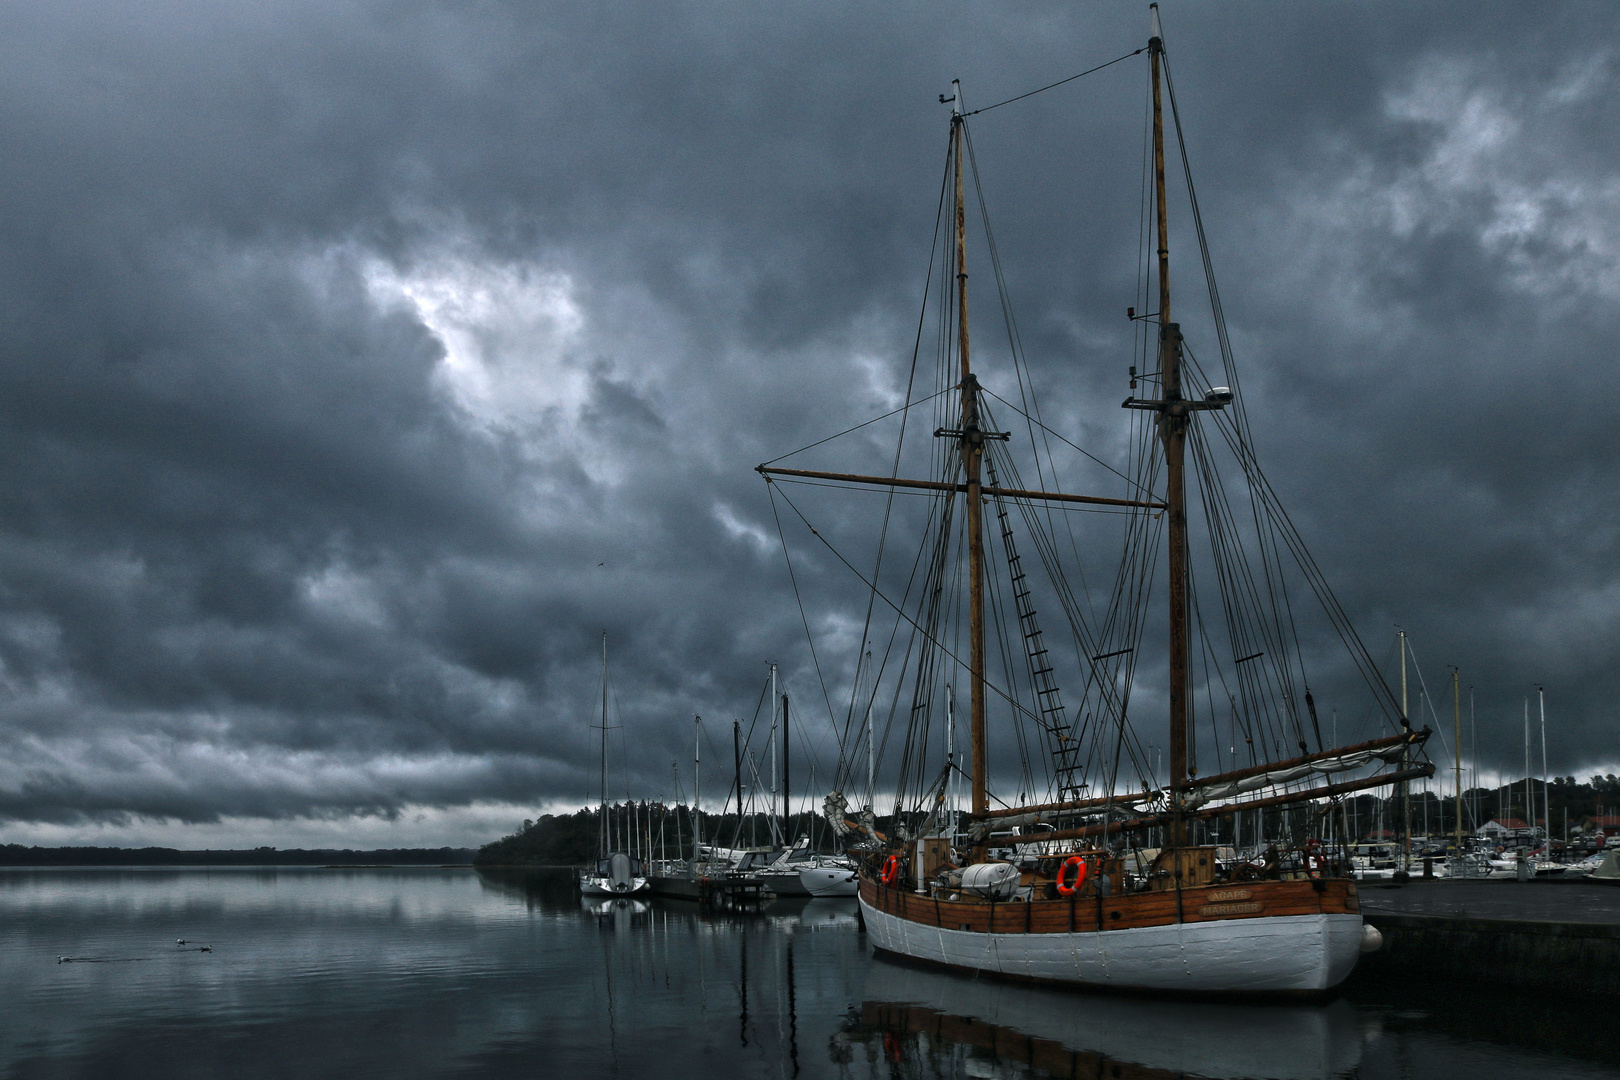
{"x": 1230, "y": 882}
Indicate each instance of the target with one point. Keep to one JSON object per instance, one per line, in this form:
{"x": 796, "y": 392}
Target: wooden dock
{"x": 731, "y": 894}
{"x": 720, "y": 893}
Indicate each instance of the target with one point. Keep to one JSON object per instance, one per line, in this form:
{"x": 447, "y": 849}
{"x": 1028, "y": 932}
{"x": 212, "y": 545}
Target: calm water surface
{"x": 417, "y": 972}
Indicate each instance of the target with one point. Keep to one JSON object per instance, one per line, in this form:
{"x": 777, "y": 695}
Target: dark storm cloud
{"x": 359, "y": 365}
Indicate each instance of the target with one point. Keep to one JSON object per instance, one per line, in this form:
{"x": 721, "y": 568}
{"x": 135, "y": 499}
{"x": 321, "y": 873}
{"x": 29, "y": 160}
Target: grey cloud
{"x": 249, "y": 515}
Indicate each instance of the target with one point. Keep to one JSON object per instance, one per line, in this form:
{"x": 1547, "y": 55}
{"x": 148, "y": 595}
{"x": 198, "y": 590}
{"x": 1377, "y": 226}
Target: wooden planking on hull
{"x": 1207, "y": 903}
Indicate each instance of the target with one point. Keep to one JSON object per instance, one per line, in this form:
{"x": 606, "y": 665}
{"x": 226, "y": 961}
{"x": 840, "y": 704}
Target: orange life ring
{"x": 1063, "y": 886}
{"x": 890, "y": 871}
{"x": 1313, "y": 864}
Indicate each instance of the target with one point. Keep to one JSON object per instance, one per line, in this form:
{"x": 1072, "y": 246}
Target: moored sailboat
{"x": 1101, "y": 884}
{"x": 614, "y": 873}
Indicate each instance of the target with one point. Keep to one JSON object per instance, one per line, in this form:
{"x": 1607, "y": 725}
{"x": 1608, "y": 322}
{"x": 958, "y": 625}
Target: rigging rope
{"x": 1060, "y": 82}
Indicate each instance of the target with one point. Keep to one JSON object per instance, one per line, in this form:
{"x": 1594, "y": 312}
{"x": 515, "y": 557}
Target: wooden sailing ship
{"x": 1068, "y": 890}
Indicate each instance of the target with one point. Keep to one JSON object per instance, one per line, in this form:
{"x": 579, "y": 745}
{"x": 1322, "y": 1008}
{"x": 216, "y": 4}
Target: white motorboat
{"x": 831, "y": 879}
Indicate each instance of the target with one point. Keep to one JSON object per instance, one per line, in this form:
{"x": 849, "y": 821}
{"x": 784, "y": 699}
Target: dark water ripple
{"x": 447, "y": 973}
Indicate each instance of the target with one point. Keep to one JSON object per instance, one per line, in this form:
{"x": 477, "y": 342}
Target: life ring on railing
{"x": 1314, "y": 864}
{"x": 890, "y": 871}
{"x": 1063, "y": 886}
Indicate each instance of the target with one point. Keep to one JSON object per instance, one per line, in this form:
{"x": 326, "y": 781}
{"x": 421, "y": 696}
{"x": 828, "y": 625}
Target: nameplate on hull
{"x": 1216, "y": 910}
{"x": 1225, "y": 896}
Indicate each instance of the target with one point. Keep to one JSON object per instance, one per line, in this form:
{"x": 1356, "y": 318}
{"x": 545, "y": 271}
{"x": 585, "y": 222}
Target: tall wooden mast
{"x": 971, "y": 439}
{"x": 972, "y": 446}
{"x": 1173, "y": 434}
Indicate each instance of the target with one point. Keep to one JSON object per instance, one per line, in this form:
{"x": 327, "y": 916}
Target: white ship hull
{"x": 829, "y": 881}
{"x": 1284, "y": 954}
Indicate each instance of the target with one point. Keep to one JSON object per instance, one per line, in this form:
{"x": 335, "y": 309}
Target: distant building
{"x": 1508, "y": 830}
{"x": 1608, "y": 825}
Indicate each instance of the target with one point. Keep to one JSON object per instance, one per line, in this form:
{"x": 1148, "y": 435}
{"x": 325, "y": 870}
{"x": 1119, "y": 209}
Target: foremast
{"x": 971, "y": 443}
{"x": 971, "y": 438}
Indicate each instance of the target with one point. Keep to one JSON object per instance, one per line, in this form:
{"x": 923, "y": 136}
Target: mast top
{"x": 956, "y": 97}
{"x": 1153, "y": 34}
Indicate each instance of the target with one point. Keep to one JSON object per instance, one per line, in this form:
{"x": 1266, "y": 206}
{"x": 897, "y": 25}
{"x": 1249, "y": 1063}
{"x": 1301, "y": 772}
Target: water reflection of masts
{"x": 792, "y": 1011}
{"x": 742, "y": 1020}
{"x": 612, "y": 1015}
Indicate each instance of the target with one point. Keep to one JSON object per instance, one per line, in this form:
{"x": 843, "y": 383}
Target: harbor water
{"x": 402, "y": 973}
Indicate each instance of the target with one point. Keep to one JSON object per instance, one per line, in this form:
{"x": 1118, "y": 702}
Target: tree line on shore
{"x": 646, "y": 830}
{"x": 19, "y": 855}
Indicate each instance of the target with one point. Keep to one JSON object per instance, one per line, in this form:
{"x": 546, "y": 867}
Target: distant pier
{"x": 721, "y": 893}
{"x": 1561, "y": 936}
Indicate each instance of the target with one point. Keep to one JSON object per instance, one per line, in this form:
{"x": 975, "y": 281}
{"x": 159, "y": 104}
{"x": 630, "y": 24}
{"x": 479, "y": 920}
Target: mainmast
{"x": 1173, "y": 434}
{"x": 972, "y": 444}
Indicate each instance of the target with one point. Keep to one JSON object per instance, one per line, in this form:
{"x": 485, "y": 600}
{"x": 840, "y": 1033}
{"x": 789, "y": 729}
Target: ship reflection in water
{"x": 926, "y": 1024}
{"x": 622, "y": 911}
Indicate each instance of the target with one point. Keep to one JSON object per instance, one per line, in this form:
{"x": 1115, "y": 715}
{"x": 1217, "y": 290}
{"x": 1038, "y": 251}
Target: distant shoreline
{"x": 334, "y": 858}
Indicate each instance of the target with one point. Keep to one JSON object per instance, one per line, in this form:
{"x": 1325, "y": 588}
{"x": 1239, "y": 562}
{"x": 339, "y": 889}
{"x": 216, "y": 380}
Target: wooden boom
{"x": 1387, "y": 742}
{"x": 940, "y": 485}
{"x": 1133, "y": 824}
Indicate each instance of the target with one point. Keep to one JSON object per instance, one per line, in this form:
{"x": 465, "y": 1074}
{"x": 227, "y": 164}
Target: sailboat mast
{"x": 1456, "y": 759}
{"x": 601, "y": 824}
{"x": 871, "y": 753}
{"x": 736, "y": 759}
{"x": 1529, "y": 796}
{"x": 776, "y": 704}
{"x": 697, "y": 776}
{"x": 1546, "y": 794}
{"x": 1173, "y": 434}
{"x": 972, "y": 454}
{"x": 787, "y": 773}
{"x": 1405, "y": 789}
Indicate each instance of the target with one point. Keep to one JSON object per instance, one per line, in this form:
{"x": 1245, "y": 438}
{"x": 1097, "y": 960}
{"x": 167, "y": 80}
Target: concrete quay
{"x": 1547, "y": 936}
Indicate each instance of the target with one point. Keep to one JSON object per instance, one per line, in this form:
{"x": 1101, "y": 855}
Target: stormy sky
{"x": 361, "y": 364}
